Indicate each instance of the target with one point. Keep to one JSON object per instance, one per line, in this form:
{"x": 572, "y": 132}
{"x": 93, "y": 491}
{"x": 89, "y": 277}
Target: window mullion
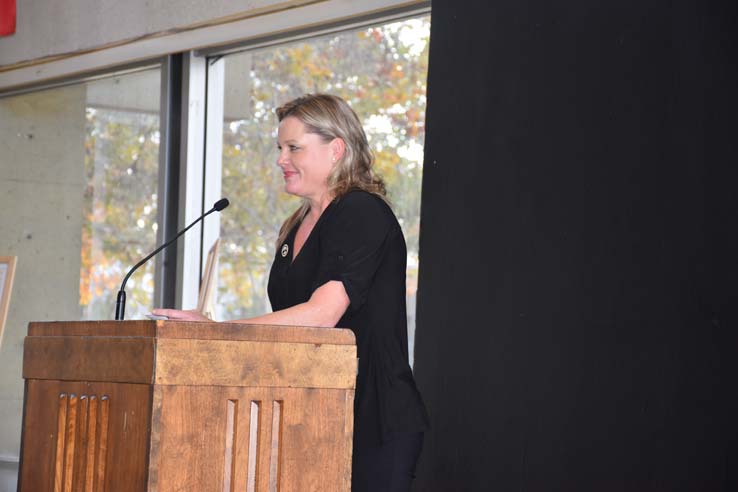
{"x": 191, "y": 178}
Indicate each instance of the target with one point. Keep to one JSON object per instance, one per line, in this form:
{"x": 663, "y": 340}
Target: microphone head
{"x": 221, "y": 204}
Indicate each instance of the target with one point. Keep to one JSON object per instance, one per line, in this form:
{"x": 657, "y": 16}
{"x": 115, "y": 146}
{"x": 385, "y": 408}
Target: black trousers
{"x": 389, "y": 467}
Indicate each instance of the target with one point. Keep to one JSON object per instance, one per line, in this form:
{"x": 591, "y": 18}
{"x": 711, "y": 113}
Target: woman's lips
{"x": 288, "y": 174}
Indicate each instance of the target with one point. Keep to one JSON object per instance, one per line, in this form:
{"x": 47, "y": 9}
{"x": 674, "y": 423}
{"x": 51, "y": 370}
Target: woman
{"x": 340, "y": 261}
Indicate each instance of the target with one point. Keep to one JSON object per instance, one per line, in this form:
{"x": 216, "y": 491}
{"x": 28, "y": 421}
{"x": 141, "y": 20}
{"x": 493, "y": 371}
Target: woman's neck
{"x": 317, "y": 207}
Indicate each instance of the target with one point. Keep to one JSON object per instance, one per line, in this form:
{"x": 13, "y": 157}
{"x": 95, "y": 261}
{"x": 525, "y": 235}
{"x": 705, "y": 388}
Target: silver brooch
{"x": 285, "y": 250}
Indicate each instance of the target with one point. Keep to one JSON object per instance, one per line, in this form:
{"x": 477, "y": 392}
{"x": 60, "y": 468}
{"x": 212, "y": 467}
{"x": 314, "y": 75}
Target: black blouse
{"x": 358, "y": 241}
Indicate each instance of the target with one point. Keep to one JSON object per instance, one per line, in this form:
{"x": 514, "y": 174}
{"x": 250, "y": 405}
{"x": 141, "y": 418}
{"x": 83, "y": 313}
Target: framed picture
{"x": 207, "y": 288}
{"x": 7, "y": 270}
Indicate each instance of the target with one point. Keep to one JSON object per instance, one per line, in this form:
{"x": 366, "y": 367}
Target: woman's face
{"x": 305, "y": 159}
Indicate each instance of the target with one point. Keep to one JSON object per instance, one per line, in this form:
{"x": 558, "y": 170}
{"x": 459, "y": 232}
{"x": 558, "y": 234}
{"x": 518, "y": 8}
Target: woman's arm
{"x": 325, "y": 307}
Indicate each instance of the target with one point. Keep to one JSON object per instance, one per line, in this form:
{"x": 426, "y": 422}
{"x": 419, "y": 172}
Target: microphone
{"x": 120, "y": 303}
{"x": 218, "y": 206}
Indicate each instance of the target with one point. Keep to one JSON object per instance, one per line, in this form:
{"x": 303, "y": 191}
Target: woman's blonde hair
{"x": 331, "y": 117}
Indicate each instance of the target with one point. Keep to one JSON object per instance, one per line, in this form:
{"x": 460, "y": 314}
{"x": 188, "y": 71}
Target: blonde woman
{"x": 340, "y": 261}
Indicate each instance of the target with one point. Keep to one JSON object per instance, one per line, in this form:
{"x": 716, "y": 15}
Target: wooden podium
{"x": 126, "y": 406}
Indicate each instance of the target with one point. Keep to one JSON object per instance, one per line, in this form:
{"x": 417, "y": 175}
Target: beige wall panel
{"x": 49, "y": 27}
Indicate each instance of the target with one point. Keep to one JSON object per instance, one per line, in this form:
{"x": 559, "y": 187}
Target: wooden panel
{"x": 126, "y": 360}
{"x": 84, "y": 437}
{"x": 61, "y": 435}
{"x": 70, "y": 441}
{"x": 137, "y": 328}
{"x": 231, "y": 437}
{"x": 256, "y": 333}
{"x": 231, "y": 363}
{"x": 81, "y": 437}
{"x": 252, "y": 446}
{"x": 275, "y": 449}
{"x": 179, "y": 329}
{"x": 307, "y": 431}
{"x": 94, "y": 454}
{"x": 251, "y": 400}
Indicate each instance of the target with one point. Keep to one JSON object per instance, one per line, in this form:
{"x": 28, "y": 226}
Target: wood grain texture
{"x": 255, "y": 333}
{"x": 61, "y": 434}
{"x": 261, "y": 364}
{"x": 164, "y": 407}
{"x": 275, "y": 449}
{"x": 203, "y": 331}
{"x": 80, "y": 459}
{"x": 71, "y": 358}
{"x": 92, "y": 458}
{"x": 56, "y": 452}
{"x": 155, "y": 455}
{"x": 102, "y": 462}
{"x": 138, "y": 328}
{"x": 71, "y": 442}
{"x": 253, "y": 447}
{"x": 314, "y": 445}
{"x": 230, "y": 448}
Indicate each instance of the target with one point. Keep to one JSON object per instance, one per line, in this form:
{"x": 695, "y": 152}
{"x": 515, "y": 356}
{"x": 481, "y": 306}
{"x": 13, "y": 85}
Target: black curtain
{"x": 578, "y": 293}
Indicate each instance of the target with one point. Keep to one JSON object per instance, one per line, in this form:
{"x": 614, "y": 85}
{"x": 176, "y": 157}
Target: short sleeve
{"x": 353, "y": 243}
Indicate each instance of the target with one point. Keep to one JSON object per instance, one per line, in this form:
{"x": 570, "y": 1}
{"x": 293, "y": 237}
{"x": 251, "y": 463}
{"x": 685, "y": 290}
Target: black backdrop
{"x": 577, "y": 322}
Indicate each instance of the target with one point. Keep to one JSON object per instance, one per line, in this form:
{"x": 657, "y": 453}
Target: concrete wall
{"x": 50, "y": 28}
{"x": 41, "y": 191}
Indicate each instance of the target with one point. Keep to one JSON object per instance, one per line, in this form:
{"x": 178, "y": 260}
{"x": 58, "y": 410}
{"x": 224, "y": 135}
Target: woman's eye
{"x": 294, "y": 148}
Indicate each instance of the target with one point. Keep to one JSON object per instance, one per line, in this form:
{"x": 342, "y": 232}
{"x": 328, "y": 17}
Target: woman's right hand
{"x": 176, "y": 314}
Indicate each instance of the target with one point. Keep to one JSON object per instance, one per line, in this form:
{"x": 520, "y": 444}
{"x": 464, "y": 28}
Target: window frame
{"x": 187, "y": 116}
{"x": 170, "y": 109}
{"x": 214, "y": 102}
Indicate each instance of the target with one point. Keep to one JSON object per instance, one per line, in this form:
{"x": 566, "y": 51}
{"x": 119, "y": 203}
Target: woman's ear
{"x": 338, "y": 147}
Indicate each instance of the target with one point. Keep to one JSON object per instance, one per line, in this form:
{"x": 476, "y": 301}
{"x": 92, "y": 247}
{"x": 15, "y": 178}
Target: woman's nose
{"x": 282, "y": 158}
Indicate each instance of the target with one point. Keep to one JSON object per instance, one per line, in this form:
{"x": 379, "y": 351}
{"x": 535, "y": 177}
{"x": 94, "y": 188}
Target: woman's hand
{"x": 176, "y": 314}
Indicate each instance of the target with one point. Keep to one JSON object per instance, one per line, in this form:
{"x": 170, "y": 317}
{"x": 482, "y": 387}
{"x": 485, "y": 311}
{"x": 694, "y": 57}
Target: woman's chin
{"x": 291, "y": 190}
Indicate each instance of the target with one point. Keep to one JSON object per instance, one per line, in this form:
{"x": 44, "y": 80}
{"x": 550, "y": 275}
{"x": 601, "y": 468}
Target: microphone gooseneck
{"x": 120, "y": 303}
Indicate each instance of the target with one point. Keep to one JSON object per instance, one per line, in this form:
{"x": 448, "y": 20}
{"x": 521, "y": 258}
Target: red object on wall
{"x": 7, "y": 17}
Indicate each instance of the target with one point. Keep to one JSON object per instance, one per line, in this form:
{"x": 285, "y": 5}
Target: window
{"x": 381, "y": 71}
{"x": 79, "y": 174}
{"x": 119, "y": 208}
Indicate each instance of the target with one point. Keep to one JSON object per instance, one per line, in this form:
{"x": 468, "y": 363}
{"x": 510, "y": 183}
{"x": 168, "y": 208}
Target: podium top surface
{"x": 187, "y": 353}
{"x": 193, "y": 330}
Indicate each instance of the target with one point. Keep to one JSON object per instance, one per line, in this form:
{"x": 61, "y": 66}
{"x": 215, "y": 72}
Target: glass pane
{"x": 382, "y": 73}
{"x": 65, "y": 189}
{"x": 119, "y": 208}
